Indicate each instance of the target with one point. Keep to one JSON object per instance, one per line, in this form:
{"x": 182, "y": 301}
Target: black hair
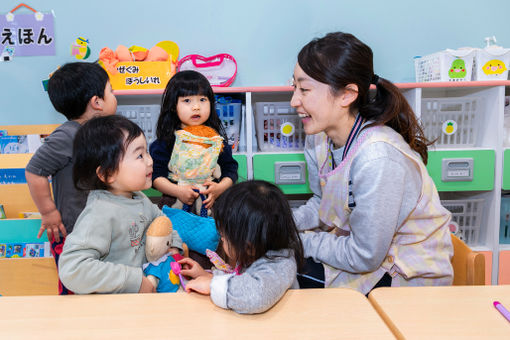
{"x": 254, "y": 217}
{"x": 182, "y": 84}
{"x": 101, "y": 143}
{"x": 72, "y": 86}
{"x": 339, "y": 59}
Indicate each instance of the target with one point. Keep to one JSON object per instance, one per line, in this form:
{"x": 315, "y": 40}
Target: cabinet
{"x": 487, "y": 161}
{"x": 479, "y": 153}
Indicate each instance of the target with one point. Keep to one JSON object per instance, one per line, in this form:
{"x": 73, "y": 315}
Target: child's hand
{"x": 52, "y": 223}
{"x": 191, "y": 268}
{"x": 214, "y": 190}
{"x": 186, "y": 194}
{"x": 146, "y": 286}
{"x": 201, "y": 284}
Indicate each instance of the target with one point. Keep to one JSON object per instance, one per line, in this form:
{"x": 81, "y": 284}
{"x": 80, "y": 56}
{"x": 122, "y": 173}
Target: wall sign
{"x": 29, "y": 34}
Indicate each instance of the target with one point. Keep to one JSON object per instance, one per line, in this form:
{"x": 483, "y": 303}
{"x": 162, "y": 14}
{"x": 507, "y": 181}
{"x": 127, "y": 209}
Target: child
{"x": 106, "y": 250}
{"x": 188, "y": 101}
{"x": 366, "y": 163}
{"x": 259, "y": 237}
{"x": 79, "y": 91}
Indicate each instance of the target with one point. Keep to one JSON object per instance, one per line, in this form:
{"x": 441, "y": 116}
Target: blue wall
{"x": 263, "y": 35}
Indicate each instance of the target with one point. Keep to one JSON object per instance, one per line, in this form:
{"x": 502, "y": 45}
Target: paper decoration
{"x": 80, "y": 49}
{"x": 27, "y": 34}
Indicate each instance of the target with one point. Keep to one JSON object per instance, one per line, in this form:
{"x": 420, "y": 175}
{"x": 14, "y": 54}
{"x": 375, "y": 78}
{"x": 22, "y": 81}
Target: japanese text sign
{"x": 30, "y": 34}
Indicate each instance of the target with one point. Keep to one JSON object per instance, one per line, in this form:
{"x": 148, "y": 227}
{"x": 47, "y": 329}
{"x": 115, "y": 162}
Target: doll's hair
{"x": 183, "y": 84}
{"x": 254, "y": 217}
{"x": 339, "y": 59}
{"x": 71, "y": 87}
{"x": 101, "y": 143}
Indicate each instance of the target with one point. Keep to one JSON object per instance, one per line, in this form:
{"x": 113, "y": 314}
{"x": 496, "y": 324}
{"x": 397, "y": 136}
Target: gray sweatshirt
{"x": 259, "y": 287}
{"x": 385, "y": 189}
{"x": 106, "y": 250}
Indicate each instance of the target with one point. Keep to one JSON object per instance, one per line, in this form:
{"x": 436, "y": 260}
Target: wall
{"x": 264, "y": 36}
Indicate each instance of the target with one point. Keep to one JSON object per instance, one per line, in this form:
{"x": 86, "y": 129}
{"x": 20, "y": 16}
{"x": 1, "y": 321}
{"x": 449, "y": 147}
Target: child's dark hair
{"x": 339, "y": 59}
{"x": 182, "y": 84}
{"x": 254, "y": 217}
{"x": 101, "y": 143}
{"x": 72, "y": 86}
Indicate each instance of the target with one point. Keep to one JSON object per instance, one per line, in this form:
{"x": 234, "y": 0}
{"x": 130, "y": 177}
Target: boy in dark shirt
{"x": 80, "y": 91}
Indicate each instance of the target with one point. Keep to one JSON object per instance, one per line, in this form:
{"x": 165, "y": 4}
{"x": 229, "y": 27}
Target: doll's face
{"x": 157, "y": 246}
{"x": 193, "y": 110}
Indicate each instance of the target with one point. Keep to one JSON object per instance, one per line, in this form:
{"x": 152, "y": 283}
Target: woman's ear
{"x": 349, "y": 95}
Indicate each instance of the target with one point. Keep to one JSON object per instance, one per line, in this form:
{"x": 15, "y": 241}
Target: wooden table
{"x": 301, "y": 314}
{"x": 443, "y": 312}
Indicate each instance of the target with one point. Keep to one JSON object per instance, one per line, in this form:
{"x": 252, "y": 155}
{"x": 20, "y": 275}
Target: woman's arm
{"x": 386, "y": 186}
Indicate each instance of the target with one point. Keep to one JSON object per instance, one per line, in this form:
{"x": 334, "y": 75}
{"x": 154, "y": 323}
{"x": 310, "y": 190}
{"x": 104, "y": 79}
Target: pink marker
{"x": 502, "y": 310}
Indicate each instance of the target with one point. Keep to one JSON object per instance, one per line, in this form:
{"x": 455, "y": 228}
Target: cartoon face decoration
{"x": 458, "y": 69}
{"x": 494, "y": 66}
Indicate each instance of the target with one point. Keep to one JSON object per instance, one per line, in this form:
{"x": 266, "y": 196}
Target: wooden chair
{"x": 468, "y": 266}
{"x": 28, "y": 276}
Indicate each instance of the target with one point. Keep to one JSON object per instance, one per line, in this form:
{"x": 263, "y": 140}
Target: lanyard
{"x": 356, "y": 128}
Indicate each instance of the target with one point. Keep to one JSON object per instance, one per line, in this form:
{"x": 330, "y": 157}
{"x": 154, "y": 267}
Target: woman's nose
{"x": 295, "y": 100}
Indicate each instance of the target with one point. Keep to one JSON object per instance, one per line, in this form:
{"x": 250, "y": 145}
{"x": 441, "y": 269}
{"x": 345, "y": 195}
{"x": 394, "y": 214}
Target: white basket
{"x": 467, "y": 214}
{"x": 229, "y": 112}
{"x": 451, "y": 122}
{"x": 279, "y": 128}
{"x": 146, "y": 116}
{"x": 491, "y": 63}
{"x": 448, "y": 65}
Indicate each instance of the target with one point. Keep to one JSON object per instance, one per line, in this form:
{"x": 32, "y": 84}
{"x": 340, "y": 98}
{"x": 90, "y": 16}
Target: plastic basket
{"x": 451, "y": 122}
{"x": 229, "y": 111}
{"x": 467, "y": 214}
{"x": 491, "y": 63}
{"x": 448, "y": 65}
{"x": 146, "y": 116}
{"x": 504, "y": 221}
{"x": 278, "y": 127}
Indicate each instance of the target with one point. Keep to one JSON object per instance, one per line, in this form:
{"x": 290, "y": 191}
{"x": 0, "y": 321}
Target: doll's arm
{"x": 154, "y": 280}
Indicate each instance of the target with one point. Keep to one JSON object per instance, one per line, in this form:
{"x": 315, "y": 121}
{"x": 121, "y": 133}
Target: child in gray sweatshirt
{"x": 264, "y": 251}
{"x": 106, "y": 249}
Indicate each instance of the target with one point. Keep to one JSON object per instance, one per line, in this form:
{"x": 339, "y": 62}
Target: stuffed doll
{"x": 162, "y": 270}
{"x": 194, "y": 161}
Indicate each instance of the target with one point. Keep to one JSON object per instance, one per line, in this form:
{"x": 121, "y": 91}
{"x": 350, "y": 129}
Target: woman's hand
{"x": 191, "y": 268}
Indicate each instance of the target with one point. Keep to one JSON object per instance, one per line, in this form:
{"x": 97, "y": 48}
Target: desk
{"x": 301, "y": 314}
{"x": 443, "y": 312}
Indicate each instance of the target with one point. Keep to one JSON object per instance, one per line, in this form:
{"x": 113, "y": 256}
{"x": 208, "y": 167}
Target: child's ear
{"x": 103, "y": 178}
{"x": 96, "y": 103}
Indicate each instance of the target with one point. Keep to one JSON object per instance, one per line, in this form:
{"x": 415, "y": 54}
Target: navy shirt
{"x": 161, "y": 153}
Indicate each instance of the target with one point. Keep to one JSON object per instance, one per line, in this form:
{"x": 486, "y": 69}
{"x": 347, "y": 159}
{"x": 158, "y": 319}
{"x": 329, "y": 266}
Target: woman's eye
{"x": 203, "y": 99}
{"x": 140, "y": 156}
{"x": 187, "y": 100}
{"x": 303, "y": 90}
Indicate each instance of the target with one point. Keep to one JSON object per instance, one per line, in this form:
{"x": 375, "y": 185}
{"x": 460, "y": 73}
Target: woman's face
{"x": 318, "y": 108}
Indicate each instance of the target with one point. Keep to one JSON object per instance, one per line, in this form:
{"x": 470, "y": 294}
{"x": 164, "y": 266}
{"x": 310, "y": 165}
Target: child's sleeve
{"x": 160, "y": 154}
{"x": 54, "y": 154}
{"x": 227, "y": 163}
{"x": 256, "y": 290}
{"x": 80, "y": 266}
